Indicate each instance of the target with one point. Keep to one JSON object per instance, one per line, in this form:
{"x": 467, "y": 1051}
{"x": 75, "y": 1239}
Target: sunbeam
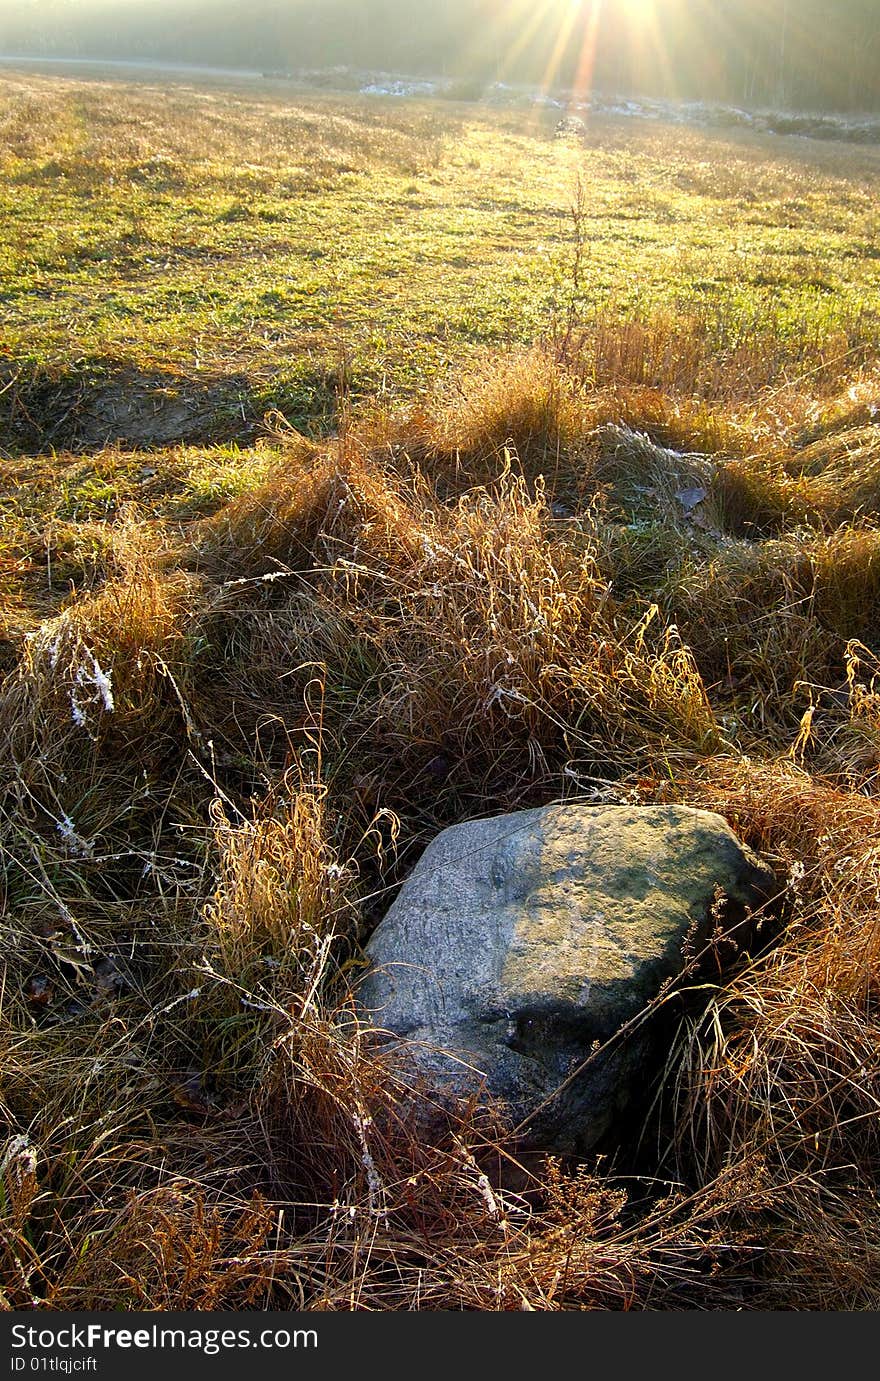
{"x": 560, "y": 40}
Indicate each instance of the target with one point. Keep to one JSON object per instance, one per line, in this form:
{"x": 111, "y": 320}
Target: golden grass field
{"x": 368, "y": 466}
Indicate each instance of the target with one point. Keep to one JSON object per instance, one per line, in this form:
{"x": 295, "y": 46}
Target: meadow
{"x": 370, "y": 465}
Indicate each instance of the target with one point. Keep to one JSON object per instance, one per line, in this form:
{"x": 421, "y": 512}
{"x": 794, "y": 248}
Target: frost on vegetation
{"x": 95, "y": 683}
{"x": 74, "y": 841}
{"x": 363, "y": 1122}
{"x": 499, "y": 693}
{"x": 91, "y": 684}
{"x": 481, "y": 1182}
{"x": 53, "y": 650}
{"x": 19, "y": 1158}
{"x": 796, "y": 874}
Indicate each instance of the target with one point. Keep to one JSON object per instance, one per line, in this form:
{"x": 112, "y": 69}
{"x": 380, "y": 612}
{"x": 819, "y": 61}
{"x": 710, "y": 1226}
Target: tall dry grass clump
{"x": 464, "y": 646}
{"x": 782, "y": 1068}
{"x": 92, "y": 716}
{"x": 526, "y": 404}
{"x": 221, "y": 759}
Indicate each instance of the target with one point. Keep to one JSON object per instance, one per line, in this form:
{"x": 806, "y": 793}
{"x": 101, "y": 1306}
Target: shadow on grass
{"x": 97, "y": 405}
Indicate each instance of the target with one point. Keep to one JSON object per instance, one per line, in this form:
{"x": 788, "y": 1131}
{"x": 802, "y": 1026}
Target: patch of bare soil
{"x": 128, "y": 407}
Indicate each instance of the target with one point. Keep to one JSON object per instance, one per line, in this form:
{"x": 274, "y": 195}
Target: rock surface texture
{"x": 519, "y": 942}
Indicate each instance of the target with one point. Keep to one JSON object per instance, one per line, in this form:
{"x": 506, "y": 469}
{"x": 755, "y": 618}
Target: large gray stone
{"x": 520, "y": 942}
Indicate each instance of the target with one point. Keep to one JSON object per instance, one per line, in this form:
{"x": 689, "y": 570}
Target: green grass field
{"x": 368, "y": 466}
{"x": 229, "y": 246}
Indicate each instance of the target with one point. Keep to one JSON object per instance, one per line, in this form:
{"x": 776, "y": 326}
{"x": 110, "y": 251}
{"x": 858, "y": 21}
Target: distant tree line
{"x": 819, "y": 54}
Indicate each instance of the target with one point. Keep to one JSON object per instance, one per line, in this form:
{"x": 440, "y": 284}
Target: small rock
{"x": 691, "y": 498}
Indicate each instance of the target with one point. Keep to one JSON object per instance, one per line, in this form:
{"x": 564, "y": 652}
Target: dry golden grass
{"x": 228, "y": 746}
{"x": 83, "y": 131}
{"x": 637, "y": 560}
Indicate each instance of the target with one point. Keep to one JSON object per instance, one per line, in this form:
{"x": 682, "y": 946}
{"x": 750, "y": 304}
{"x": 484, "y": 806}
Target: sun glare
{"x": 568, "y": 35}
{"x": 638, "y": 9}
